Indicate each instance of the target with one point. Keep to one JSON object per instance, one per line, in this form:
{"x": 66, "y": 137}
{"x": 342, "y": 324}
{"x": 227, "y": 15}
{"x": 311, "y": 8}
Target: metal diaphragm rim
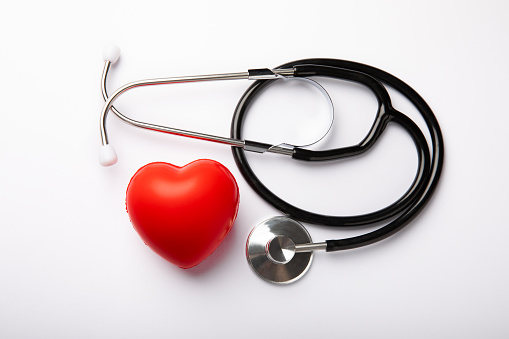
{"x": 258, "y": 258}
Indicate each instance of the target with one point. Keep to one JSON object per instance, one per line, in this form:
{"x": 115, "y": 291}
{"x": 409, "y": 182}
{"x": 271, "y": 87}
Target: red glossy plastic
{"x": 183, "y": 213}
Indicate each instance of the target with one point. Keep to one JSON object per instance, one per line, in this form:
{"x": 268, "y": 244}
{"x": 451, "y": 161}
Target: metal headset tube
{"x": 248, "y": 145}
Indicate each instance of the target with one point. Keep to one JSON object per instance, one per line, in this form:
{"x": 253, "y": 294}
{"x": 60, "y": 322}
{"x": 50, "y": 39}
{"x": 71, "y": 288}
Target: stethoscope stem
{"x": 281, "y": 249}
{"x": 311, "y": 247}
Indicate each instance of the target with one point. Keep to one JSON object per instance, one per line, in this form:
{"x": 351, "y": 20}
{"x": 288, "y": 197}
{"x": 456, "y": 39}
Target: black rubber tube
{"x": 428, "y": 173}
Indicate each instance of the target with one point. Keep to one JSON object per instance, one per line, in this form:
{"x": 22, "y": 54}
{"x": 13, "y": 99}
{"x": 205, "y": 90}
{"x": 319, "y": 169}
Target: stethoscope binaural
{"x": 280, "y": 249}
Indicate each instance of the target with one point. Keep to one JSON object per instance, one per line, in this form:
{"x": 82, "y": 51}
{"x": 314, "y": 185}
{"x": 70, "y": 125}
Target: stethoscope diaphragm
{"x": 272, "y": 250}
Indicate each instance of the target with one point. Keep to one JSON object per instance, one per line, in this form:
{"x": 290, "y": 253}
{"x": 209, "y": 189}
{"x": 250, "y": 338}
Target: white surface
{"x": 71, "y": 264}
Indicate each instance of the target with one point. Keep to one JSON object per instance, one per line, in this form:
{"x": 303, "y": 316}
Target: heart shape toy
{"x": 183, "y": 213}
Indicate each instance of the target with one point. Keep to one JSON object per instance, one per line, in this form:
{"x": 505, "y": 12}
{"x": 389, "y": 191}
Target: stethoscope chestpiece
{"x": 272, "y": 250}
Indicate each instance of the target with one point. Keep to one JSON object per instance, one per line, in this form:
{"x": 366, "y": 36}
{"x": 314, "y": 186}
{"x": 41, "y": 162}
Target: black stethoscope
{"x": 280, "y": 249}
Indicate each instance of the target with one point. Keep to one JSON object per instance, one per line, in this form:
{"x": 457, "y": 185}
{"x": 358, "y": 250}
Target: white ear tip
{"x": 107, "y": 155}
{"x": 111, "y": 53}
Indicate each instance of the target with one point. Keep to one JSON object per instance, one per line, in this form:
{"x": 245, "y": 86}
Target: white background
{"x": 71, "y": 265}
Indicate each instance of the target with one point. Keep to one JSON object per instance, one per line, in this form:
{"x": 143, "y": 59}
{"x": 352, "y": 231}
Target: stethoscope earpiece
{"x": 111, "y": 53}
{"x": 107, "y": 155}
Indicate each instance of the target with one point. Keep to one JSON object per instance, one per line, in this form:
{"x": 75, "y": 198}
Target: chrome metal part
{"x": 261, "y": 74}
{"x": 284, "y": 149}
{"x": 259, "y": 147}
{"x": 311, "y": 247}
{"x": 285, "y": 72}
{"x": 163, "y": 81}
{"x": 248, "y": 146}
{"x": 270, "y": 250}
{"x": 267, "y": 74}
{"x": 256, "y": 147}
{"x": 280, "y": 249}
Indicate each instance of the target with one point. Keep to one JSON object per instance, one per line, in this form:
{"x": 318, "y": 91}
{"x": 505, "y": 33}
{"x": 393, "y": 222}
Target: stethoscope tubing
{"x": 429, "y": 169}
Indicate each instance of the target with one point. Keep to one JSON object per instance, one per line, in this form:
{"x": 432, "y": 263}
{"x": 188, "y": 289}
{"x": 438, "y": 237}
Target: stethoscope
{"x": 280, "y": 249}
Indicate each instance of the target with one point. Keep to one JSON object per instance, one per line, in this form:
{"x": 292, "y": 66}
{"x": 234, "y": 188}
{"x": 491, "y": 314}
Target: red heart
{"x": 183, "y": 213}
